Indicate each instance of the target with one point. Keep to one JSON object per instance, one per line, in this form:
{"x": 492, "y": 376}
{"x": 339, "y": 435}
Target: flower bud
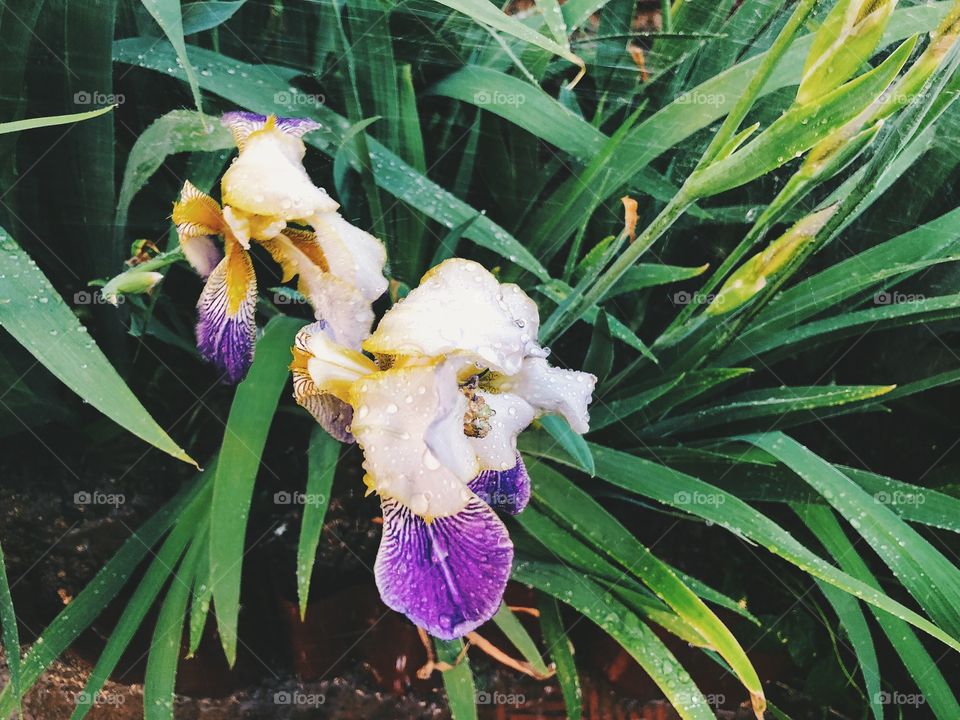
{"x": 846, "y": 40}
{"x": 751, "y": 277}
{"x": 132, "y": 282}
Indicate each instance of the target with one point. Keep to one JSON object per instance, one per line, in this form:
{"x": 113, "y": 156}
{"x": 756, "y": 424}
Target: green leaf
{"x": 646, "y": 275}
{"x": 489, "y": 15}
{"x": 177, "y": 131}
{"x": 625, "y": 627}
{"x": 35, "y": 315}
{"x": 11, "y": 635}
{"x": 561, "y": 652}
{"x": 593, "y": 522}
{"x": 160, "y": 679}
{"x": 709, "y": 502}
{"x": 606, "y": 413}
{"x": 780, "y": 402}
{"x": 571, "y": 442}
{"x": 855, "y": 624}
{"x": 922, "y": 668}
{"x": 200, "y": 16}
{"x": 244, "y": 437}
{"x": 680, "y": 119}
{"x": 516, "y": 633}
{"x": 321, "y": 466}
{"x": 202, "y": 592}
{"x": 599, "y": 359}
{"x": 560, "y": 292}
{"x": 818, "y": 332}
{"x": 49, "y": 120}
{"x": 929, "y": 576}
{"x": 458, "y": 681}
{"x": 168, "y": 17}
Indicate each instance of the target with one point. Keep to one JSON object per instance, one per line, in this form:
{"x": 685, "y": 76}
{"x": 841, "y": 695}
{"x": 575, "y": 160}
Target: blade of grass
{"x": 50, "y": 120}
{"x": 167, "y": 13}
{"x": 561, "y": 652}
{"x": 921, "y": 666}
{"x": 244, "y": 438}
{"x": 321, "y": 465}
{"x": 11, "y": 635}
{"x": 511, "y": 626}
{"x": 458, "y": 681}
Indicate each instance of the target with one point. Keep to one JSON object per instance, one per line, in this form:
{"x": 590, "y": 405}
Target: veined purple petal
{"x": 504, "y": 490}
{"x": 242, "y": 123}
{"x": 448, "y": 575}
{"x": 226, "y": 330}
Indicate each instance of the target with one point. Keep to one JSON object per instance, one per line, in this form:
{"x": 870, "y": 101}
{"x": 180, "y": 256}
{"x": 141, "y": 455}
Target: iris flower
{"x": 456, "y": 375}
{"x": 268, "y": 198}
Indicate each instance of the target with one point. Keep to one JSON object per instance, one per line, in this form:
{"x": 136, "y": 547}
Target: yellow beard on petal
{"x": 239, "y": 276}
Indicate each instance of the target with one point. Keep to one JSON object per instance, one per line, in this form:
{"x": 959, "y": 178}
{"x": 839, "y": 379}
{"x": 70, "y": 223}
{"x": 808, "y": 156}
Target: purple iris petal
{"x": 448, "y": 575}
{"x": 227, "y": 338}
{"x": 505, "y": 490}
{"x": 253, "y": 121}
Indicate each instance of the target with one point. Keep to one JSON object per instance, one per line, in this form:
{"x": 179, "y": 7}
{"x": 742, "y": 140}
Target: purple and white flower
{"x": 269, "y": 199}
{"x": 456, "y": 374}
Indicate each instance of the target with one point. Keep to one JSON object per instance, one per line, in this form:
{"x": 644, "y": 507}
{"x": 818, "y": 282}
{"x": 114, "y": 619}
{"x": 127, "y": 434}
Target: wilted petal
{"x": 396, "y": 413}
{"x": 197, "y": 217}
{"x": 497, "y": 450}
{"x": 225, "y": 326}
{"x": 352, "y": 254}
{"x": 504, "y": 490}
{"x": 457, "y": 310}
{"x": 447, "y": 575}
{"x": 552, "y": 390}
{"x": 268, "y": 177}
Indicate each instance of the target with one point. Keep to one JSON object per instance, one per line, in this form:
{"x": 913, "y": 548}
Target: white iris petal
{"x": 458, "y": 309}
{"x": 553, "y": 390}
{"x": 497, "y": 450}
{"x": 395, "y": 412}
